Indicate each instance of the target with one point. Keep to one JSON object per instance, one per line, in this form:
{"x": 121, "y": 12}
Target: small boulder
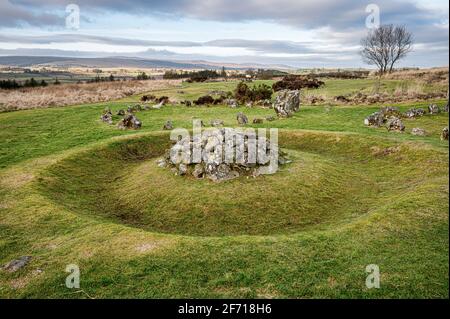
{"x": 413, "y": 113}
{"x": 107, "y": 116}
{"x": 433, "y": 109}
{"x": 258, "y": 121}
{"x": 376, "y": 119}
{"x": 445, "y": 109}
{"x": 121, "y": 112}
{"x": 216, "y": 123}
{"x": 17, "y": 264}
{"x": 231, "y": 103}
{"x": 444, "y": 134}
{"x": 395, "y": 124}
{"x": 418, "y": 131}
{"x": 129, "y": 121}
{"x": 168, "y": 126}
{"x": 198, "y": 171}
{"x": 242, "y": 118}
{"x": 182, "y": 169}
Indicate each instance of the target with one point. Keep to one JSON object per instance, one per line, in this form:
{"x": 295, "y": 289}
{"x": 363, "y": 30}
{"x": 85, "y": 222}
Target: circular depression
{"x": 332, "y": 180}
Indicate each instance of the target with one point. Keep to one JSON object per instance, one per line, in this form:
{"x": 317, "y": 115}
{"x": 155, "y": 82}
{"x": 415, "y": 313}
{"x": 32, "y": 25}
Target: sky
{"x": 297, "y": 33}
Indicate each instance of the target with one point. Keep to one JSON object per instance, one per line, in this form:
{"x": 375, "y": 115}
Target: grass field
{"x": 74, "y": 190}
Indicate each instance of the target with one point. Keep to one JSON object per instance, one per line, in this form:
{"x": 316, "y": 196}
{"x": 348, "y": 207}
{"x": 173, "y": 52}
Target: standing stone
{"x": 287, "y": 103}
{"x": 242, "y": 118}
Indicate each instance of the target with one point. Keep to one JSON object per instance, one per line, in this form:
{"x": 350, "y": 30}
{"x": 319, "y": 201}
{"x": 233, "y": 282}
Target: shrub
{"x": 244, "y": 93}
{"x": 297, "y": 82}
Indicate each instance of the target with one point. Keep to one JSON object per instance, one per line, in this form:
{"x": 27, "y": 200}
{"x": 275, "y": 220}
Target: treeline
{"x": 29, "y": 83}
{"x": 194, "y": 76}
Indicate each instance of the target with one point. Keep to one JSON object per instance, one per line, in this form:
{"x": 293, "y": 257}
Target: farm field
{"x": 74, "y": 190}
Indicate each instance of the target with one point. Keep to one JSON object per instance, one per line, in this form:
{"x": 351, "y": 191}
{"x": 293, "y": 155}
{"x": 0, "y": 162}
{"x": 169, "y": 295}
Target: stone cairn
{"x": 213, "y": 163}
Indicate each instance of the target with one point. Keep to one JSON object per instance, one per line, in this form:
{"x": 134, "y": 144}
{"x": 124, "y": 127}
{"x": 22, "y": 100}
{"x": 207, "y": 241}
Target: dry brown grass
{"x": 433, "y": 75}
{"x": 73, "y": 94}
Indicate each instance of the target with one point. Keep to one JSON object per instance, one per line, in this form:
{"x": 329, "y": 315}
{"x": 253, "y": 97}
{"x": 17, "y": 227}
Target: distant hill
{"x": 111, "y": 62}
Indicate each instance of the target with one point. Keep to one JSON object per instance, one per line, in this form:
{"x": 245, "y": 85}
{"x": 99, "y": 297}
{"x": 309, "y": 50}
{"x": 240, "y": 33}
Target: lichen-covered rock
{"x": 121, "y": 112}
{"x": 287, "y": 103}
{"x": 395, "y": 124}
{"x": 168, "y": 126}
{"x": 242, "y": 119}
{"x": 418, "y": 131}
{"x": 413, "y": 113}
{"x": 433, "y": 109}
{"x": 376, "y": 119}
{"x": 444, "y": 134}
{"x": 129, "y": 121}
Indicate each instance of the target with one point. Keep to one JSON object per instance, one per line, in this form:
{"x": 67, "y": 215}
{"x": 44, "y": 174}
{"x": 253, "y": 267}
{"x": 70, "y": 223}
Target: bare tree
{"x": 385, "y": 46}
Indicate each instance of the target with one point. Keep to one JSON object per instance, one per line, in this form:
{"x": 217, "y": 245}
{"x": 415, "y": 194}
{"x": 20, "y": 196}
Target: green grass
{"x": 76, "y": 191}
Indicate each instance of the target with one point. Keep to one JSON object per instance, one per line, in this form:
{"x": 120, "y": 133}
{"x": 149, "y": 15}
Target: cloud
{"x": 341, "y": 14}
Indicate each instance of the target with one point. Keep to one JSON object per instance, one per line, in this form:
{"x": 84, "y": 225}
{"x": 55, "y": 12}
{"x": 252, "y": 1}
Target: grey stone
{"x": 375, "y": 119}
{"x": 413, "y": 113}
{"x": 242, "y": 119}
{"x": 395, "y": 124}
{"x": 418, "y": 131}
{"x": 444, "y": 134}
{"x": 17, "y": 264}
{"x": 287, "y": 103}
{"x": 129, "y": 121}
{"x": 168, "y": 126}
{"x": 433, "y": 109}
{"x": 216, "y": 123}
